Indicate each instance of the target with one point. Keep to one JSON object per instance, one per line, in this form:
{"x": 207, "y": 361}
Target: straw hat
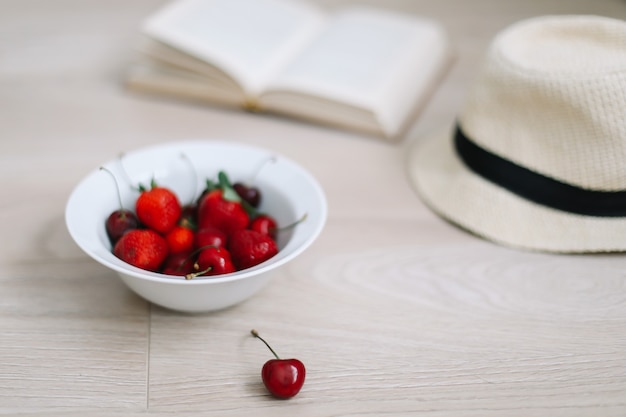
{"x": 538, "y": 157}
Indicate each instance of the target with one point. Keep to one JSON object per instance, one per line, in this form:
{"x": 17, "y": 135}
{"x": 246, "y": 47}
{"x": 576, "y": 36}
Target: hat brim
{"x": 473, "y": 203}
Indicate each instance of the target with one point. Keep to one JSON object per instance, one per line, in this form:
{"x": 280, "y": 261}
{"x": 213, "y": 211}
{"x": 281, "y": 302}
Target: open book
{"x": 359, "y": 68}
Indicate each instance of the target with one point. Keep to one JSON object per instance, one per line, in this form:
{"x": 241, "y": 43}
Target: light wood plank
{"x": 70, "y": 337}
{"x": 410, "y": 325}
{"x": 394, "y": 311}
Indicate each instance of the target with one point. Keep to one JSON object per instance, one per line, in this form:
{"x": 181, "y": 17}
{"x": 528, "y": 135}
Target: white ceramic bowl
{"x": 288, "y": 191}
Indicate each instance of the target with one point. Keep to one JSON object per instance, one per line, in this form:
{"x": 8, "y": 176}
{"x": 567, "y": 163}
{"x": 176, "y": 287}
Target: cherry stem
{"x": 256, "y": 334}
{"x": 195, "y": 176}
{"x": 271, "y": 159}
{"x": 117, "y": 186}
{"x": 140, "y": 187}
{"x": 195, "y": 265}
{"x": 197, "y": 274}
{"x": 124, "y": 172}
{"x": 294, "y": 224}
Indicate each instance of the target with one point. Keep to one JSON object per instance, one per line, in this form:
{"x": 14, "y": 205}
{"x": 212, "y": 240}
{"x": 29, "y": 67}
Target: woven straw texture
{"x": 551, "y": 97}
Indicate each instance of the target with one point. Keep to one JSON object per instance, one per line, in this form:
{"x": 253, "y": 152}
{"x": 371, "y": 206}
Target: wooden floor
{"x": 394, "y": 311}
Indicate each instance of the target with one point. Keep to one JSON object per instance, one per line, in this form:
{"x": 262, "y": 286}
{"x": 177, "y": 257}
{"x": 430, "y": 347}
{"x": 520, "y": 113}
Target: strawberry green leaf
{"x": 211, "y": 185}
{"x": 228, "y": 192}
{"x": 252, "y": 212}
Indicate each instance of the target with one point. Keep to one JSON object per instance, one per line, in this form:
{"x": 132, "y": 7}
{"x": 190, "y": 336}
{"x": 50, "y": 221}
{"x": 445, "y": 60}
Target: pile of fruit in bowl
{"x": 198, "y": 225}
{"x": 221, "y": 232}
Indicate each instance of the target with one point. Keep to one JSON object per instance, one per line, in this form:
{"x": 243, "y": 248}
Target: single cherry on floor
{"x": 283, "y": 378}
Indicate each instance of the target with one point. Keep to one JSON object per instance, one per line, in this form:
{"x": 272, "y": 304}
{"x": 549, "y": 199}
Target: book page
{"x": 375, "y": 60}
{"x": 249, "y": 39}
{"x": 157, "y": 54}
{"x": 172, "y": 82}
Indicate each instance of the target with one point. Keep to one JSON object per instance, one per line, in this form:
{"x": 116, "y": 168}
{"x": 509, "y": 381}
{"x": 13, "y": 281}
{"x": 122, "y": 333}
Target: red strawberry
{"x": 180, "y": 239}
{"x": 216, "y": 211}
{"x": 143, "y": 248}
{"x": 158, "y": 208}
{"x": 210, "y": 236}
{"x": 212, "y": 261}
{"x": 249, "y": 248}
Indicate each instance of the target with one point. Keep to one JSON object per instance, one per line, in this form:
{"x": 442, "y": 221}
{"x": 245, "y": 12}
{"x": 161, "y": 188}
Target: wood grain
{"x": 394, "y": 311}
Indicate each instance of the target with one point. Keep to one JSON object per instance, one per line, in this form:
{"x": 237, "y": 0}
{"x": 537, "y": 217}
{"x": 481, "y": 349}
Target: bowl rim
{"x": 130, "y": 270}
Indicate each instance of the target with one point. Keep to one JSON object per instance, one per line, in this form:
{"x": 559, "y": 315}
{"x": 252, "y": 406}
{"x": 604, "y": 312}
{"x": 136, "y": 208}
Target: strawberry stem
{"x": 256, "y": 334}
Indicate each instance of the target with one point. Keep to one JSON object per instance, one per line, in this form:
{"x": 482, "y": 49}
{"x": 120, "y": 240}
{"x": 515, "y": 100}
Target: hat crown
{"x": 552, "y": 98}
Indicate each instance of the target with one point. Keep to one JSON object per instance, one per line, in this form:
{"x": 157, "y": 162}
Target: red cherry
{"x": 265, "y": 224}
{"x": 283, "y": 378}
{"x": 249, "y": 194}
{"x": 212, "y": 261}
{"x": 179, "y": 264}
{"x": 120, "y": 221}
{"x": 188, "y": 216}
